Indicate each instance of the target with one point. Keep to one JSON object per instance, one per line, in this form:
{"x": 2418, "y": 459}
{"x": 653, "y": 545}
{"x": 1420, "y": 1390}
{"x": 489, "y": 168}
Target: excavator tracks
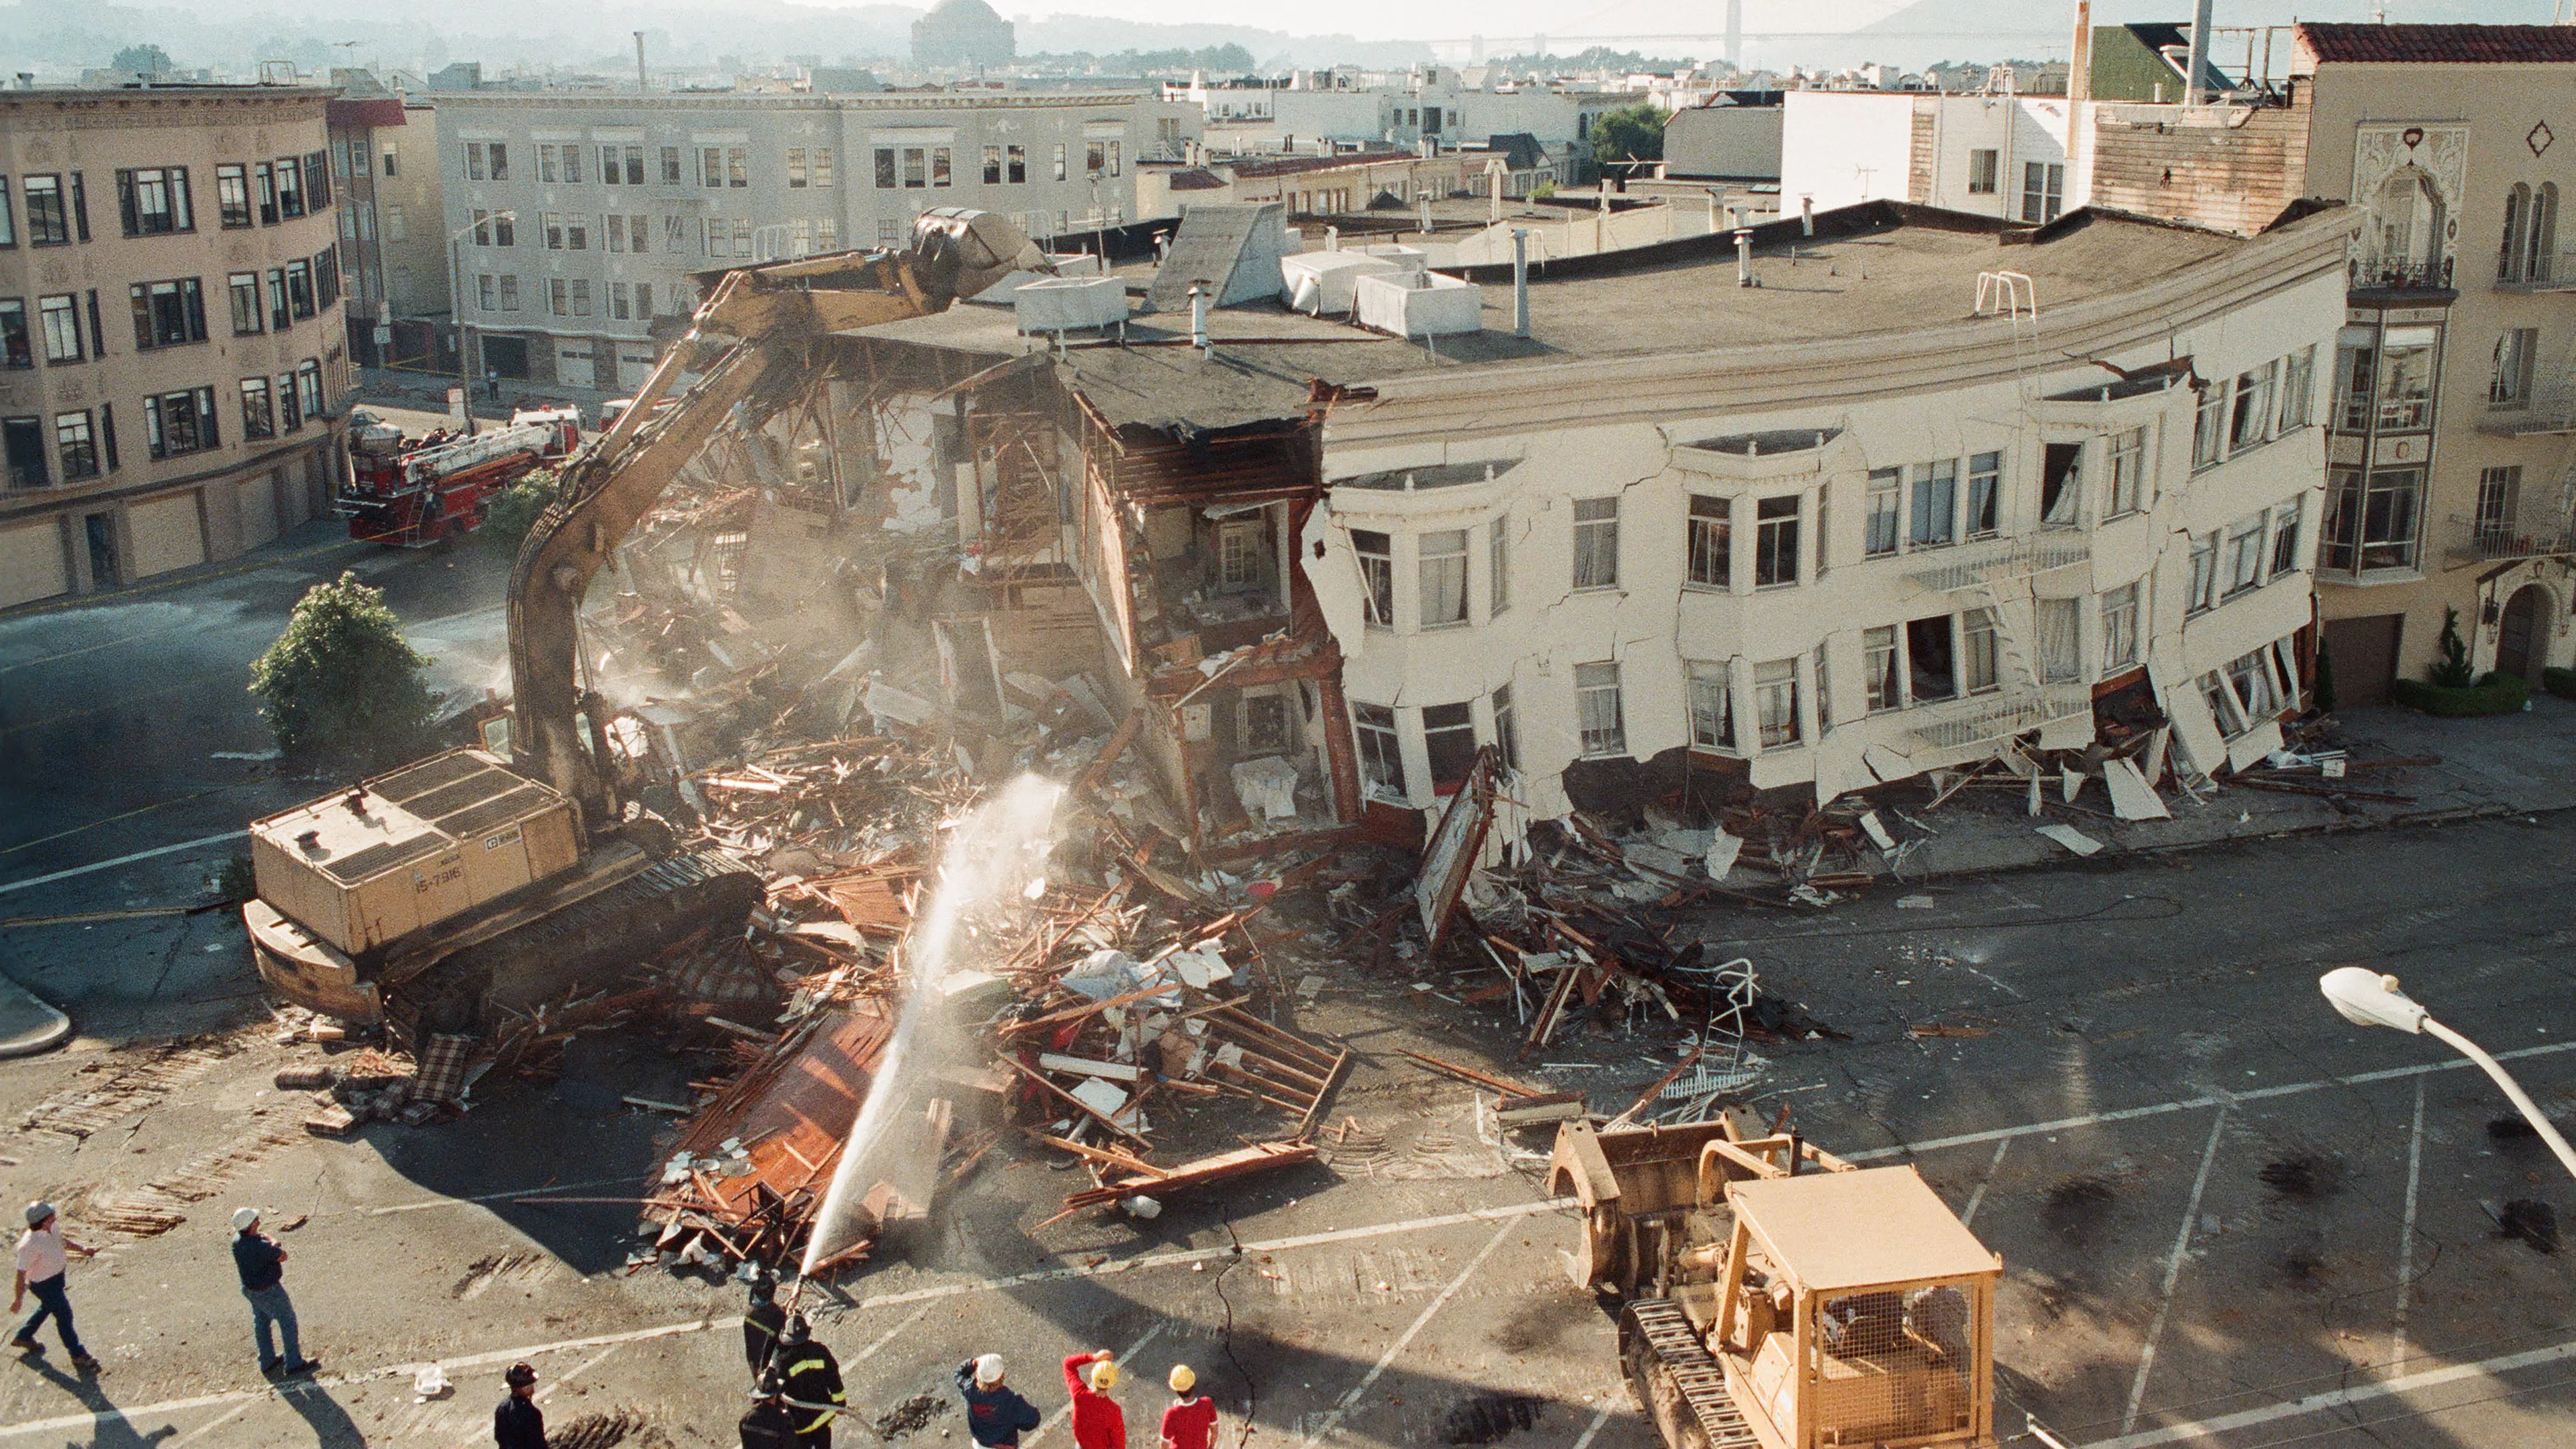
{"x": 598, "y": 936}
{"x": 1666, "y": 1360}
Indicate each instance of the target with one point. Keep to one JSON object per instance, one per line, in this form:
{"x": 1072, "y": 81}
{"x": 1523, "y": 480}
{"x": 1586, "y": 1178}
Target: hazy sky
{"x": 1496, "y": 19}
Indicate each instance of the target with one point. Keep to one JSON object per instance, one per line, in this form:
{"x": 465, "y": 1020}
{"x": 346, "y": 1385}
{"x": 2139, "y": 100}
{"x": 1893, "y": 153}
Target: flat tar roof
{"x": 1893, "y": 277}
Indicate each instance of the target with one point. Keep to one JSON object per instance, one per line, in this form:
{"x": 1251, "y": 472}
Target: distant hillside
{"x": 1986, "y": 30}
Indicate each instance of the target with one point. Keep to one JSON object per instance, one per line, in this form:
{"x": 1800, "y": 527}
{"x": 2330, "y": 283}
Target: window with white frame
{"x": 1982, "y": 171}
{"x": 1597, "y": 711}
{"x": 1507, "y": 734}
{"x": 2242, "y": 559}
{"x": 1936, "y": 503}
{"x": 1775, "y": 701}
{"x": 2285, "y": 536}
{"x": 1596, "y": 543}
{"x": 1712, "y": 723}
{"x": 2061, "y": 640}
{"x": 1879, "y": 662}
{"x": 2509, "y": 385}
{"x": 1449, "y": 740}
{"x": 1498, "y": 569}
{"x": 2128, "y": 459}
{"x": 2250, "y": 415}
{"x": 2298, "y": 388}
{"x": 2061, "y": 485}
{"x": 1985, "y": 494}
{"x": 1980, "y": 660}
{"x": 1377, "y": 575}
{"x": 2043, "y": 191}
{"x": 1880, "y": 531}
{"x": 2204, "y": 574}
{"x": 1712, "y": 541}
{"x": 1441, "y": 573}
{"x": 1816, "y": 680}
{"x": 1775, "y": 542}
{"x": 1381, "y": 749}
{"x": 2209, "y": 427}
{"x": 2119, "y": 628}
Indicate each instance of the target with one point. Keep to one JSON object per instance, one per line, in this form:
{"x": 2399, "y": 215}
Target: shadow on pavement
{"x": 112, "y": 1429}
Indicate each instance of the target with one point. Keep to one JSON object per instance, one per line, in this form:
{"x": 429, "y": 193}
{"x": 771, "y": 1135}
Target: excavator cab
{"x": 1773, "y": 1296}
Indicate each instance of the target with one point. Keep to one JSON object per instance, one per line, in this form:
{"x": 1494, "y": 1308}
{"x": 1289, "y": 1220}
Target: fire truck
{"x": 411, "y": 492}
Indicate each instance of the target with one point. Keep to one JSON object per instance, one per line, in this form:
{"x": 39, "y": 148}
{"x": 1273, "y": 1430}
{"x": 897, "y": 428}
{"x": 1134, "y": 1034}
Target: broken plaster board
{"x": 2070, "y": 837}
{"x": 1332, "y": 566}
{"x": 2132, "y": 798}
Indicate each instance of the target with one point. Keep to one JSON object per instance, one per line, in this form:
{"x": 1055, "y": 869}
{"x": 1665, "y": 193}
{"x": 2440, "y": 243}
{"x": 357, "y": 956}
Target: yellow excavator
{"x": 428, "y": 898}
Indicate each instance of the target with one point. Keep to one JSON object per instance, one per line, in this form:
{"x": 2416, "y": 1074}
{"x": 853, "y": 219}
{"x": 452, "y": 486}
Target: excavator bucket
{"x": 959, "y": 251}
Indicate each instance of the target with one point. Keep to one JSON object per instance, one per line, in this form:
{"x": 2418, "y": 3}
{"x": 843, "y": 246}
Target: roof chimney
{"x": 1744, "y": 257}
{"x": 2193, "y": 92}
{"x": 1520, "y": 281}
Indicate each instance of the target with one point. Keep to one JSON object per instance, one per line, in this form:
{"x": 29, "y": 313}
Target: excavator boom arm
{"x": 740, "y": 342}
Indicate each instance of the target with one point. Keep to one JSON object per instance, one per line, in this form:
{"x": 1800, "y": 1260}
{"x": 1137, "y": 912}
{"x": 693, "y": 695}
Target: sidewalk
{"x": 2515, "y": 764}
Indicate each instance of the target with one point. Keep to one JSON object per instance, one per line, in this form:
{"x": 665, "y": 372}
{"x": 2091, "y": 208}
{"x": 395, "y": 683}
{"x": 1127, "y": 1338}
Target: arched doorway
{"x": 2522, "y": 641}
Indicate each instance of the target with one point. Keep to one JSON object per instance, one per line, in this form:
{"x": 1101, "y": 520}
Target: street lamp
{"x": 2366, "y": 998}
{"x": 456, "y": 295}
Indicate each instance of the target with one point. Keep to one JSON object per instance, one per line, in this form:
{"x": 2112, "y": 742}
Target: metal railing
{"x": 1984, "y": 717}
{"x": 2550, "y": 271}
{"x": 1992, "y": 560}
{"x": 2530, "y": 534}
{"x": 2399, "y": 274}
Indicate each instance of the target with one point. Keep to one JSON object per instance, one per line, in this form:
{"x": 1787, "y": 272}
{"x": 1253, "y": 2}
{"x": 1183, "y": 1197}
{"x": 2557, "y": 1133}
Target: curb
{"x": 50, "y": 1028}
{"x": 2459, "y": 815}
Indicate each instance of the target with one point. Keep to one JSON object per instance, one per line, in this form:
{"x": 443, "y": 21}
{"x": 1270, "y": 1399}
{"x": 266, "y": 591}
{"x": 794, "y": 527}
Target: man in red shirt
{"x": 1098, "y": 1423}
{"x": 1190, "y": 1423}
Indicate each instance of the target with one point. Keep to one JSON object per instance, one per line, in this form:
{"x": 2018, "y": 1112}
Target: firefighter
{"x": 761, "y": 1323}
{"x": 808, "y": 1378}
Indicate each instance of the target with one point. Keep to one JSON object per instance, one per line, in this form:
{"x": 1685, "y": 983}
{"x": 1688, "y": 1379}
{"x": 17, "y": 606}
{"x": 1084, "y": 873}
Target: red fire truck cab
{"x": 411, "y": 492}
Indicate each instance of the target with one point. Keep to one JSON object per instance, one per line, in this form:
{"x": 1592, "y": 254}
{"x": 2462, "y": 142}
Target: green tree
{"x": 341, "y": 683}
{"x": 1631, "y": 139}
{"x": 508, "y": 517}
{"x": 143, "y": 60}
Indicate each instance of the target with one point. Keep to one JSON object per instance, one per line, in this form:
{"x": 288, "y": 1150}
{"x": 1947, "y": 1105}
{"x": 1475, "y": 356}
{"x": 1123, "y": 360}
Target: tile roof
{"x": 2441, "y": 44}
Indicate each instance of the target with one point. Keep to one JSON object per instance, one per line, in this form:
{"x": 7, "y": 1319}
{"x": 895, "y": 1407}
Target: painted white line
{"x": 215, "y": 1423}
{"x": 2173, "y": 1273}
{"x": 2191, "y": 1104}
{"x": 1584, "y": 1440}
{"x": 1060, "y": 1415}
{"x": 1184, "y": 1256}
{"x": 203, "y": 840}
{"x": 1333, "y": 1421}
{"x": 2406, "y": 1231}
{"x": 891, "y": 1334}
{"x": 539, "y": 1191}
{"x": 1977, "y": 1199}
{"x": 2359, "y": 1393}
{"x": 1505, "y": 1215}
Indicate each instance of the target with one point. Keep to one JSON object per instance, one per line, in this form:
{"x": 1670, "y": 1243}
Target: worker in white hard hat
{"x": 1190, "y": 1420}
{"x": 44, "y": 1268}
{"x": 262, "y": 1265}
{"x": 996, "y": 1415}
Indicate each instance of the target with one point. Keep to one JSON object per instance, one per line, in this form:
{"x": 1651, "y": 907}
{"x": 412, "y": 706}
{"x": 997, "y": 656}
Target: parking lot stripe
{"x": 1333, "y": 1421}
{"x": 2173, "y": 1273}
{"x": 1593, "y": 1429}
{"x": 2190, "y": 1104}
{"x": 2359, "y": 1393}
{"x": 202, "y": 840}
{"x": 2406, "y": 1230}
{"x": 1968, "y": 1215}
{"x": 1505, "y": 1215}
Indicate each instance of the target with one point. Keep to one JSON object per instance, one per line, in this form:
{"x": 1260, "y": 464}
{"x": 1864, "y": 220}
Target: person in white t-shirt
{"x": 44, "y": 1264}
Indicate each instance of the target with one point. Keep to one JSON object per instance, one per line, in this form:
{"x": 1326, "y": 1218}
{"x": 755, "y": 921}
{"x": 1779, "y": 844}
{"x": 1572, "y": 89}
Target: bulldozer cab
{"x": 1856, "y": 1309}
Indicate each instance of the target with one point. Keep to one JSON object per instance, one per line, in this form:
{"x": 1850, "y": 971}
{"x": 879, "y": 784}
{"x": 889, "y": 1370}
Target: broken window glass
{"x": 1878, "y": 660}
{"x": 1775, "y": 696}
{"x": 1381, "y": 754}
{"x": 1507, "y": 735}
{"x": 1711, "y": 541}
{"x": 1930, "y": 671}
{"x": 2061, "y": 485}
{"x": 1712, "y": 724}
{"x": 1377, "y": 575}
{"x": 1449, "y": 738}
{"x": 1775, "y": 542}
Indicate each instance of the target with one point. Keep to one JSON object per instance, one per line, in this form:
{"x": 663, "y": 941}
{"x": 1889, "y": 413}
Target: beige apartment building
{"x": 172, "y": 360}
{"x": 2453, "y": 403}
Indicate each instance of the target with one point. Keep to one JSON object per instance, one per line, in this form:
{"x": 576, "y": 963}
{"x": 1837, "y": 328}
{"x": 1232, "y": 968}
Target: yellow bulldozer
{"x": 1773, "y": 1296}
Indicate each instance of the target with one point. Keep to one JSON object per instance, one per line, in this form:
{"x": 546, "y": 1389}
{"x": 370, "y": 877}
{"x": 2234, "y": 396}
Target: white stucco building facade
{"x": 1988, "y": 154}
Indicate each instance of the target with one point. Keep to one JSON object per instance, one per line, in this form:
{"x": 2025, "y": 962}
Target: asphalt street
{"x": 2226, "y": 1217}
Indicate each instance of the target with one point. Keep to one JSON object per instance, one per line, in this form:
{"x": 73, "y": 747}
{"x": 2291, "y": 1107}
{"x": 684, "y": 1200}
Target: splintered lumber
{"x": 1134, "y": 1165}
{"x": 1242, "y": 1162}
{"x": 1503, "y": 1085}
{"x": 1079, "y": 1105}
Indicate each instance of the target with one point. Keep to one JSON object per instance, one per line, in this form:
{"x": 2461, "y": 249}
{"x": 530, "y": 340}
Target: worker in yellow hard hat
{"x": 1190, "y": 1421}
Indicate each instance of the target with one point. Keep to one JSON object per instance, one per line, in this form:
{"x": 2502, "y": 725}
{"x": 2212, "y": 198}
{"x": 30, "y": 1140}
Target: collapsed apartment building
{"x": 1844, "y": 502}
{"x": 1848, "y": 502}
